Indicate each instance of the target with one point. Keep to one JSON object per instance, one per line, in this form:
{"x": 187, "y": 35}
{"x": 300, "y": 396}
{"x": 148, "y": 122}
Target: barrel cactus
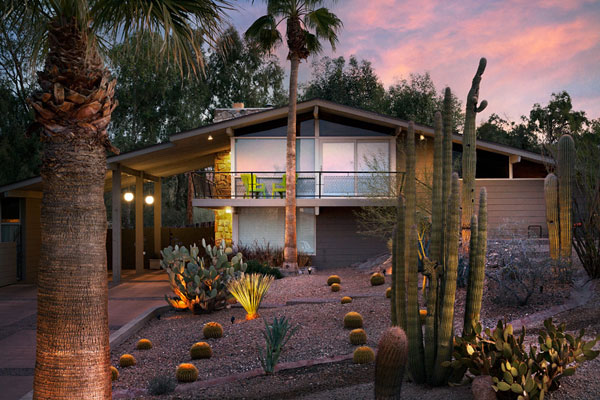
{"x": 353, "y": 320}
{"x": 200, "y": 350}
{"x": 212, "y": 330}
{"x": 358, "y": 336}
{"x": 346, "y": 300}
{"x": 388, "y": 293}
{"x": 186, "y": 373}
{"x": 143, "y": 344}
{"x": 127, "y": 360}
{"x": 335, "y": 287}
{"x": 392, "y": 353}
{"x": 363, "y": 355}
{"x": 114, "y": 373}
{"x": 377, "y": 279}
{"x": 333, "y": 279}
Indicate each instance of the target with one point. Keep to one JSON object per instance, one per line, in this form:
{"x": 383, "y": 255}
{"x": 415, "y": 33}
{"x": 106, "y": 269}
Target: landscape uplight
{"x": 128, "y": 196}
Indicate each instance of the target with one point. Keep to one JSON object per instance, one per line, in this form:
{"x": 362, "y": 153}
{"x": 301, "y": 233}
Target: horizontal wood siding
{"x": 514, "y": 203}
{"x": 33, "y": 238}
{"x": 8, "y": 263}
{"x": 338, "y": 243}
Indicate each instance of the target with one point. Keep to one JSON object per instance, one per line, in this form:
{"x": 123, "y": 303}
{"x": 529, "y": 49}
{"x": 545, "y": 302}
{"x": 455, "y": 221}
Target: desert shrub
{"x": 200, "y": 284}
{"x": 517, "y": 373}
{"x": 363, "y": 355}
{"x": 519, "y": 269}
{"x": 270, "y": 255}
{"x": 249, "y": 290}
{"x": 212, "y": 330}
{"x": 255, "y": 266}
{"x": 161, "y": 384}
{"x": 127, "y": 360}
{"x": 143, "y": 344}
{"x": 276, "y": 336}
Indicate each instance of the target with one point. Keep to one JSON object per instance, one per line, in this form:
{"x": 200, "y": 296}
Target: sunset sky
{"x": 533, "y": 47}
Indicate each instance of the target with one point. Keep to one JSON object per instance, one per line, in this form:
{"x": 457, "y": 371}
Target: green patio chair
{"x": 252, "y": 186}
{"x": 280, "y": 187}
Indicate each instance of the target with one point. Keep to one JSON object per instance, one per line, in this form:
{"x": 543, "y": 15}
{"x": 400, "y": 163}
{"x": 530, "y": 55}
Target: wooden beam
{"x": 30, "y": 194}
{"x": 514, "y": 158}
{"x": 157, "y": 218}
{"x": 134, "y": 172}
{"x": 229, "y": 131}
{"x": 316, "y": 112}
{"x": 139, "y": 225}
{"x": 116, "y": 225}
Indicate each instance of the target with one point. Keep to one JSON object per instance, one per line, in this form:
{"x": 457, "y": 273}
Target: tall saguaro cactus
{"x": 551, "y": 196}
{"x": 425, "y": 359}
{"x": 469, "y": 153}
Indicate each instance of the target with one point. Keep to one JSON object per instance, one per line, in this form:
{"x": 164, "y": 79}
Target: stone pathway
{"x": 18, "y": 319}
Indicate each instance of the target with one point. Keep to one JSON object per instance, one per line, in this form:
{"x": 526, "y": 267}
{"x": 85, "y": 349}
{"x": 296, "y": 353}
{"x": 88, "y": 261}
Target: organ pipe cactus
{"x": 469, "y": 154}
{"x": 552, "y": 214}
{"x": 426, "y": 356}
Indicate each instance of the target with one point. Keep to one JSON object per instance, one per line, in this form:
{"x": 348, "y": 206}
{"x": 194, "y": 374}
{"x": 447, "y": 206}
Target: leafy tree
{"x": 556, "y": 118}
{"x": 499, "y": 130}
{"x": 73, "y": 104}
{"x": 300, "y": 17}
{"x": 354, "y": 84}
{"x": 417, "y": 100}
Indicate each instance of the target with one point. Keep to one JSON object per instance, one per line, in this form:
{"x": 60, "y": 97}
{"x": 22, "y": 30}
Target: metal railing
{"x": 309, "y": 184}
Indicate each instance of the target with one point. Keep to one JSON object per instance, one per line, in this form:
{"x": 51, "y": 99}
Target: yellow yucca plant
{"x": 249, "y": 290}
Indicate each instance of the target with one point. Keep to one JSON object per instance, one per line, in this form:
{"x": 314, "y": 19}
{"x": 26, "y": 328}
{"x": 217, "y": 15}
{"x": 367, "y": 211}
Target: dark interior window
{"x": 10, "y": 209}
{"x": 335, "y": 125}
{"x": 529, "y": 169}
{"x": 305, "y": 127}
{"x": 489, "y": 165}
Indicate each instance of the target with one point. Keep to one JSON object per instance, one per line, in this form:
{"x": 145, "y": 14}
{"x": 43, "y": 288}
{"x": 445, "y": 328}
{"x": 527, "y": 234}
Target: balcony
{"x": 313, "y": 188}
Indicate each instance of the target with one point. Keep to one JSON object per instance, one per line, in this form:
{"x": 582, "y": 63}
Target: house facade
{"x": 347, "y": 158}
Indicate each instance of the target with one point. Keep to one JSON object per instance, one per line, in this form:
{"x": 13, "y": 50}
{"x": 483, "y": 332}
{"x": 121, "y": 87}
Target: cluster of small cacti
{"x": 388, "y": 293}
{"x": 353, "y": 320}
{"x": 335, "y": 287}
{"x": 392, "y": 353}
{"x": 212, "y": 330}
{"x": 377, "y": 279}
{"x": 346, "y": 300}
{"x": 200, "y": 350}
{"x": 186, "y": 373}
{"x": 200, "y": 285}
{"x": 426, "y": 354}
{"x": 363, "y": 355}
{"x": 143, "y": 344}
{"x": 114, "y": 373}
{"x": 559, "y": 202}
{"x": 333, "y": 279}
{"x": 127, "y": 360}
{"x": 358, "y": 336}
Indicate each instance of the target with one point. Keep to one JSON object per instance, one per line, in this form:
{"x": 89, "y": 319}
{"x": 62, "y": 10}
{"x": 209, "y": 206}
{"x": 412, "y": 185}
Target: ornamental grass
{"x": 249, "y": 290}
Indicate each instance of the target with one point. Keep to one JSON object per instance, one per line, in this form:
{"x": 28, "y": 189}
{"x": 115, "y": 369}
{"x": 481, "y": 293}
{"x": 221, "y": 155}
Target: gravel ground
{"x": 321, "y": 334}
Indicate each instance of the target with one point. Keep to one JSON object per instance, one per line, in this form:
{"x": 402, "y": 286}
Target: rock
{"x": 482, "y": 388}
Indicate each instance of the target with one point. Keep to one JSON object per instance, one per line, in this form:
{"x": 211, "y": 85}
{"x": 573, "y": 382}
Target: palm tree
{"x": 301, "y": 17}
{"x": 73, "y": 106}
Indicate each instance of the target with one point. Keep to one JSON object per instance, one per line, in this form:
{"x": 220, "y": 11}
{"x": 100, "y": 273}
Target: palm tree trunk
{"x": 290, "y": 251}
{"x": 74, "y": 106}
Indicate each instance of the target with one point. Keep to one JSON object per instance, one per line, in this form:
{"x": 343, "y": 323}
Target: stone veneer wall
{"x": 223, "y": 220}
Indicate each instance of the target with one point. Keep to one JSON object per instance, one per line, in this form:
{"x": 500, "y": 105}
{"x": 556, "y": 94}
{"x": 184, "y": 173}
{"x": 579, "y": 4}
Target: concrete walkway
{"x": 18, "y": 306}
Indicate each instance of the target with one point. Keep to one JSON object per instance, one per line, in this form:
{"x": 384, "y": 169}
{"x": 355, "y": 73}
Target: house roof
{"x": 192, "y": 149}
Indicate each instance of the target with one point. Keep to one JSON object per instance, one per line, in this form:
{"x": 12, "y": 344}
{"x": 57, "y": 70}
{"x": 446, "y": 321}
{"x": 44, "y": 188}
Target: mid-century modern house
{"x": 346, "y": 158}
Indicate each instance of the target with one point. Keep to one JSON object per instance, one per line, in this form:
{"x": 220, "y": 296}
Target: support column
{"x": 157, "y": 218}
{"x": 139, "y": 224}
{"x": 116, "y": 224}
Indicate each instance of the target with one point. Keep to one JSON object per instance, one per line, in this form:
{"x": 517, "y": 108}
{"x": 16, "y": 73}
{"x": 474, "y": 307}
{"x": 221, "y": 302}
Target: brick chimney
{"x": 237, "y": 110}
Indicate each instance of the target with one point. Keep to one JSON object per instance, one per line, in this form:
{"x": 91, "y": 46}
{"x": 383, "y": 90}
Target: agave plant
{"x": 249, "y": 290}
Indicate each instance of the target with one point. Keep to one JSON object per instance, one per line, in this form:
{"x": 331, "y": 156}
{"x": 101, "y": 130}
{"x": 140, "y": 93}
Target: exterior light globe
{"x": 149, "y": 200}
{"x": 228, "y": 210}
{"x": 422, "y": 137}
{"x": 128, "y": 196}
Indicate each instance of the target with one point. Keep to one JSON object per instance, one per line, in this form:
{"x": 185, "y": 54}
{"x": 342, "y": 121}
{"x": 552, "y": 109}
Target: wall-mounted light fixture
{"x": 421, "y": 137}
{"x": 149, "y": 200}
{"x": 228, "y": 210}
{"x": 128, "y": 197}
{"x": 210, "y": 137}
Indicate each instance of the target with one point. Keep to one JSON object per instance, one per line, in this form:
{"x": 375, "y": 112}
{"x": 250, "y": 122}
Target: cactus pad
{"x": 200, "y": 350}
{"x": 346, "y": 300}
{"x": 358, "y": 336}
{"x": 114, "y": 373}
{"x": 127, "y": 360}
{"x": 335, "y": 287}
{"x": 363, "y": 355}
{"x": 143, "y": 344}
{"x": 353, "y": 320}
{"x": 377, "y": 279}
{"x": 212, "y": 330}
{"x": 333, "y": 279}
{"x": 186, "y": 373}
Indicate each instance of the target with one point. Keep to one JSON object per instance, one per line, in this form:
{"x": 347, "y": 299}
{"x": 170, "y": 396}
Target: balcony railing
{"x": 309, "y": 184}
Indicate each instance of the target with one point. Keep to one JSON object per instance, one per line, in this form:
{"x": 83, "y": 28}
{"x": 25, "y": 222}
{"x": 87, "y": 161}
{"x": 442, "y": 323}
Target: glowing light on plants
{"x": 249, "y": 290}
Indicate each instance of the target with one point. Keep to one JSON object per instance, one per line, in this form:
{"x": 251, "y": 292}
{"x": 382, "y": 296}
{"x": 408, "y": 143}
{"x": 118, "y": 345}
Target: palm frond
{"x": 325, "y": 23}
{"x": 312, "y": 43}
{"x": 264, "y": 33}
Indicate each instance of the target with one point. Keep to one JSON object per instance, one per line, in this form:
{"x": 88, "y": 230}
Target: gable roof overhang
{"x": 191, "y": 150}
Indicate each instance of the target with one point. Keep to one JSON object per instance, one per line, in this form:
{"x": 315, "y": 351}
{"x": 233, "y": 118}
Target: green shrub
{"x": 255, "y": 266}
{"x": 161, "y": 384}
{"x": 276, "y": 336}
